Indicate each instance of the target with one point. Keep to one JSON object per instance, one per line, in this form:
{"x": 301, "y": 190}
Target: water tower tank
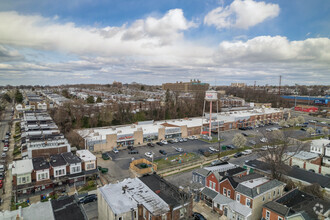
{"x": 211, "y": 95}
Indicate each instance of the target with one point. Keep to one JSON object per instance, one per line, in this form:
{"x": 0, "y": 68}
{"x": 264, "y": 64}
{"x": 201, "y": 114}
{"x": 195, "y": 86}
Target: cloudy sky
{"x": 148, "y": 41}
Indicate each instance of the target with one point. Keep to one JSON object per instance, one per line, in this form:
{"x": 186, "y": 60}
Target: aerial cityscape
{"x": 165, "y": 110}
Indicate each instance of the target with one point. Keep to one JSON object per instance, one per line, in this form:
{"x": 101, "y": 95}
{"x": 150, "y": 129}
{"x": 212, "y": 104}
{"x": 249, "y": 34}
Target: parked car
{"x": 263, "y": 140}
{"x": 198, "y": 216}
{"x": 181, "y": 140}
{"x": 303, "y": 129}
{"x": 130, "y": 147}
{"x": 149, "y": 154}
{"x": 246, "y": 152}
{"x": 1, "y": 183}
{"x": 2, "y": 176}
{"x": 105, "y": 156}
{"x": 179, "y": 149}
{"x": 115, "y": 150}
{"x": 3, "y": 155}
{"x": 191, "y": 138}
{"x": 268, "y": 129}
{"x": 170, "y": 141}
{"x": 201, "y": 151}
{"x": 88, "y": 199}
{"x": 164, "y": 142}
{"x": 150, "y": 145}
{"x": 244, "y": 134}
{"x": 216, "y": 162}
{"x": 176, "y": 140}
{"x": 133, "y": 152}
{"x": 230, "y": 146}
{"x": 162, "y": 152}
{"x": 194, "y": 137}
{"x": 160, "y": 143}
{"x": 238, "y": 154}
{"x": 225, "y": 158}
{"x": 213, "y": 149}
{"x": 185, "y": 139}
{"x": 252, "y": 142}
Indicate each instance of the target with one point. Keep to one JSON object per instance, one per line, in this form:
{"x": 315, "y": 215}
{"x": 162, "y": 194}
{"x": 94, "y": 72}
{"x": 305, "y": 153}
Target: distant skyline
{"x": 153, "y": 42}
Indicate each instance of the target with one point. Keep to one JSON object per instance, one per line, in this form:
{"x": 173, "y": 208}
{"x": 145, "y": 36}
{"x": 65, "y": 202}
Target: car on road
{"x": 268, "y": 129}
{"x": 213, "y": 149}
{"x": 247, "y": 152}
{"x": 105, "y": 156}
{"x": 225, "y": 158}
{"x": 88, "y": 199}
{"x": 160, "y": 143}
{"x": 263, "y": 140}
{"x": 238, "y": 154}
{"x": 244, "y": 134}
{"x": 133, "y": 152}
{"x": 149, "y": 154}
{"x": 150, "y": 145}
{"x": 198, "y": 216}
{"x": 179, "y": 149}
{"x": 216, "y": 162}
{"x": 115, "y": 150}
{"x": 1, "y": 183}
{"x": 323, "y": 122}
{"x": 162, "y": 152}
{"x": 3, "y": 155}
{"x": 303, "y": 129}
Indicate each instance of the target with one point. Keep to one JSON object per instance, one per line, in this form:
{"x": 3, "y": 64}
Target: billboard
{"x": 320, "y": 101}
{"x": 211, "y": 96}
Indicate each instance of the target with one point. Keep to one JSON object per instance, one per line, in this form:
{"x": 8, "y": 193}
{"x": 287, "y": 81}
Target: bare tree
{"x": 239, "y": 140}
{"x": 301, "y": 120}
{"x": 282, "y": 123}
{"x": 278, "y": 144}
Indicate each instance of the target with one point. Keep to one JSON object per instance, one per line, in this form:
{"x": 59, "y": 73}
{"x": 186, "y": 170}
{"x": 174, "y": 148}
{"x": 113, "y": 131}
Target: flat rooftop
{"x": 255, "y": 182}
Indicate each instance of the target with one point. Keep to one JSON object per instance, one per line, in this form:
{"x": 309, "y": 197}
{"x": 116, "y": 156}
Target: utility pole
{"x": 279, "y": 86}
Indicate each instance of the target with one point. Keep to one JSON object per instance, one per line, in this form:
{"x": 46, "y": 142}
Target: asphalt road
{"x": 91, "y": 210}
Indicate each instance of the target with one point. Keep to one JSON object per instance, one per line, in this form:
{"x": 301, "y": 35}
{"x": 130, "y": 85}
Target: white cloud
{"x": 241, "y": 14}
{"x": 142, "y": 37}
{"x": 275, "y": 49}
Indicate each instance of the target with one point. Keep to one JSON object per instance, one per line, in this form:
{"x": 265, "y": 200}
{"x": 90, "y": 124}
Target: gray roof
{"x": 209, "y": 193}
{"x": 277, "y": 207}
{"x": 241, "y": 209}
{"x": 202, "y": 172}
{"x": 252, "y": 192}
{"x": 221, "y": 199}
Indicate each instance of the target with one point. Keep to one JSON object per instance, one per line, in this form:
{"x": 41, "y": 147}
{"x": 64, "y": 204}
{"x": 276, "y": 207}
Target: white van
{"x": 246, "y": 152}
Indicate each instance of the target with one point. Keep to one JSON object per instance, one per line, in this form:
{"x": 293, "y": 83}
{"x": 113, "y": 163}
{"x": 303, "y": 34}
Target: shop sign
{"x": 173, "y": 130}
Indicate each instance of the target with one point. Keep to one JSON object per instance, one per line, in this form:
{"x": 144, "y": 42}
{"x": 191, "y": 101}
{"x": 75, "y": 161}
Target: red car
{"x": 0, "y": 184}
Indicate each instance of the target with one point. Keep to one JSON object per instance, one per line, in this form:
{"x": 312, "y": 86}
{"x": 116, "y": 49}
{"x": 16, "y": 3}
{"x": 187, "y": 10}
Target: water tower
{"x": 210, "y": 96}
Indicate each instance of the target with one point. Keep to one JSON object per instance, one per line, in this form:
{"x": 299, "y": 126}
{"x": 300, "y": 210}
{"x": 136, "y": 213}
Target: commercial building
{"x": 306, "y": 108}
{"x": 186, "y": 87}
{"x": 309, "y": 100}
{"x": 106, "y": 138}
{"x": 239, "y": 85}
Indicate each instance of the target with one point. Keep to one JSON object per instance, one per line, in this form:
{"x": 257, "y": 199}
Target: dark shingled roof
{"x": 293, "y": 172}
{"x": 209, "y": 193}
{"x": 71, "y": 158}
{"x": 277, "y": 207}
{"x": 232, "y": 172}
{"x": 234, "y": 181}
{"x": 252, "y": 192}
{"x": 39, "y": 163}
{"x": 300, "y": 202}
{"x": 57, "y": 160}
{"x": 67, "y": 208}
{"x": 165, "y": 190}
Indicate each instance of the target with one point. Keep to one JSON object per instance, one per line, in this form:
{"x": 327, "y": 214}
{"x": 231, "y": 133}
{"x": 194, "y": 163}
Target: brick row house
{"x": 43, "y": 175}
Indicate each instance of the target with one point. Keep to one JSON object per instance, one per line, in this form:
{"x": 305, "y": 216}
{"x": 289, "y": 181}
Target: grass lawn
{"x": 175, "y": 160}
{"x": 13, "y": 205}
{"x": 314, "y": 137}
{"x": 214, "y": 140}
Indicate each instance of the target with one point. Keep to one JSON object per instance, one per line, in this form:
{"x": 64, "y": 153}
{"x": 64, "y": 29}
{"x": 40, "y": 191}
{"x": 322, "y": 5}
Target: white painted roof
{"x": 85, "y": 155}
{"x": 22, "y": 167}
{"x": 221, "y": 168}
{"x": 320, "y": 142}
{"x": 303, "y": 155}
{"x": 136, "y": 193}
{"x": 255, "y": 182}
